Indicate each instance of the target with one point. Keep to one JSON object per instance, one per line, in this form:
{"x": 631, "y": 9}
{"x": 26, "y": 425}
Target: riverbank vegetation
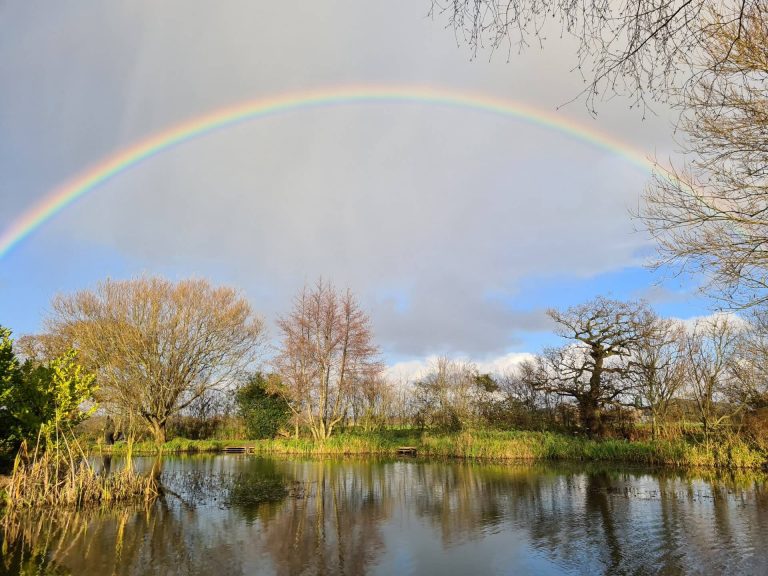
{"x": 482, "y": 444}
{"x": 53, "y": 478}
{"x": 626, "y": 385}
{"x": 42, "y": 403}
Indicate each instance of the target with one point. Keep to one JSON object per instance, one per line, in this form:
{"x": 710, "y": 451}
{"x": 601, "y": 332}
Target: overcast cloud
{"x": 432, "y": 216}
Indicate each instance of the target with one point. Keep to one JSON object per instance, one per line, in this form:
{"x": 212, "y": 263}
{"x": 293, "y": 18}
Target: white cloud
{"x": 734, "y": 319}
{"x": 410, "y": 370}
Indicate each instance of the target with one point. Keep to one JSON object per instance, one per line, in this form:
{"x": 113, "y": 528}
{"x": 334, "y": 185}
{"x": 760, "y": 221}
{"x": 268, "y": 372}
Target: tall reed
{"x": 59, "y": 474}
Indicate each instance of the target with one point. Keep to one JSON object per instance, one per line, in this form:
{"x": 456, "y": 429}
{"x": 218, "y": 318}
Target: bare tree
{"x": 373, "y": 402}
{"x": 751, "y": 367}
{"x": 712, "y": 217}
{"x": 327, "y": 351}
{"x": 158, "y": 346}
{"x": 453, "y": 394}
{"x": 658, "y": 366}
{"x": 710, "y": 350}
{"x": 403, "y": 403}
{"x": 526, "y": 401}
{"x": 593, "y": 368}
{"x": 638, "y": 47}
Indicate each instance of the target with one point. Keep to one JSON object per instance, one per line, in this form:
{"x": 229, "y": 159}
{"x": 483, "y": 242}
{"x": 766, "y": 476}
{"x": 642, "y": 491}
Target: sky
{"x": 456, "y": 229}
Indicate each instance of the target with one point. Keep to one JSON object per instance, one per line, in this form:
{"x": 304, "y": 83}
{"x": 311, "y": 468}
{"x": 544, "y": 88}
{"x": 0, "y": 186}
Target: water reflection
{"x": 241, "y": 515}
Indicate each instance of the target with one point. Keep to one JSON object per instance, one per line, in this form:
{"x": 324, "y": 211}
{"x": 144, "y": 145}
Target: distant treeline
{"x": 151, "y": 358}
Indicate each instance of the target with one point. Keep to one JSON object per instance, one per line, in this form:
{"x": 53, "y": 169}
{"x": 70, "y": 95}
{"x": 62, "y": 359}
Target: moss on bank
{"x": 492, "y": 445}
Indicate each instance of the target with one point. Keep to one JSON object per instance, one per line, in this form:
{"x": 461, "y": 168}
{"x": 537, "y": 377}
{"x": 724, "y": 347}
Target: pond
{"x": 235, "y": 514}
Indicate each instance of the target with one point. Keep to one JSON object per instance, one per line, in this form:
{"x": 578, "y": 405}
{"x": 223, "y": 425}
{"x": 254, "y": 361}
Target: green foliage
{"x": 41, "y": 398}
{"x": 9, "y": 364}
{"x": 175, "y": 446}
{"x": 491, "y": 445}
{"x": 524, "y": 445}
{"x": 265, "y": 413}
{"x": 9, "y": 379}
{"x": 486, "y": 382}
{"x": 67, "y": 389}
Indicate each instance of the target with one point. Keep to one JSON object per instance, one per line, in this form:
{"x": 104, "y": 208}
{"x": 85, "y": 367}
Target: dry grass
{"x": 58, "y": 477}
{"x": 522, "y": 445}
{"x": 730, "y": 453}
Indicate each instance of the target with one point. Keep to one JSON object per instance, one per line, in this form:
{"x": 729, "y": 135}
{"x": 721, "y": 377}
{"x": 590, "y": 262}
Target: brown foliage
{"x": 326, "y": 353}
{"x": 62, "y": 476}
{"x": 756, "y": 427}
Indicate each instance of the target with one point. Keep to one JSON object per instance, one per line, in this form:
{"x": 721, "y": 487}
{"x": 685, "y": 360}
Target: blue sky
{"x": 456, "y": 229}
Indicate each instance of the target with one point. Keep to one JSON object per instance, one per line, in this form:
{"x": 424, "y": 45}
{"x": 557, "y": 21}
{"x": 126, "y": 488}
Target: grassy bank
{"x": 175, "y": 446}
{"x": 529, "y": 446}
{"x": 493, "y": 445}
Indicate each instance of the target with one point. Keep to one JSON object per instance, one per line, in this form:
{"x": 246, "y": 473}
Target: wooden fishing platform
{"x": 406, "y": 451}
{"x": 238, "y": 449}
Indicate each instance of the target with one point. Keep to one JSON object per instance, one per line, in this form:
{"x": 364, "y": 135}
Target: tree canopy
{"x": 712, "y": 219}
{"x": 326, "y": 352}
{"x": 639, "y": 47}
{"x": 156, "y": 345}
{"x": 264, "y": 411}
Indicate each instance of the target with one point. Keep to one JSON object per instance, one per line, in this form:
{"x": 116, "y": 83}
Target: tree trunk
{"x": 590, "y": 408}
{"x": 590, "y": 417}
{"x": 109, "y": 431}
{"x": 157, "y": 428}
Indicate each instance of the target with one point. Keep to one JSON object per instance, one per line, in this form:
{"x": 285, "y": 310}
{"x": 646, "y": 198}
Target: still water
{"x": 224, "y": 515}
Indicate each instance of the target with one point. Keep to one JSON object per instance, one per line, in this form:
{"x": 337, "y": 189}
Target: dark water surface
{"x": 224, "y": 515}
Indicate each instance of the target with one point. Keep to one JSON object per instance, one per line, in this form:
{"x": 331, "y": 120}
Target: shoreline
{"x": 481, "y": 446}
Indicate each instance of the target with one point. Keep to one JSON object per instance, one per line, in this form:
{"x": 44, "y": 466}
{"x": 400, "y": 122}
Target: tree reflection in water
{"x": 243, "y": 515}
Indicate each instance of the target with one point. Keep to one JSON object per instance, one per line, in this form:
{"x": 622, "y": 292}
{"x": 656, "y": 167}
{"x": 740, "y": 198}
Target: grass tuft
{"x": 55, "y": 478}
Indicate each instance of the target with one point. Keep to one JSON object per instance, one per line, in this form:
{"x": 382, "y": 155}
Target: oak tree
{"x": 593, "y": 367}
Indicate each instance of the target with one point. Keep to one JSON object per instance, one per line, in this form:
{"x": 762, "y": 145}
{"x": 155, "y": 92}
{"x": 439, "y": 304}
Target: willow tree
{"x": 326, "y": 352}
{"x": 157, "y": 346}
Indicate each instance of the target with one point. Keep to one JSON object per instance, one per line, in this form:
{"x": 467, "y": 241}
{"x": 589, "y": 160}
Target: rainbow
{"x": 114, "y": 165}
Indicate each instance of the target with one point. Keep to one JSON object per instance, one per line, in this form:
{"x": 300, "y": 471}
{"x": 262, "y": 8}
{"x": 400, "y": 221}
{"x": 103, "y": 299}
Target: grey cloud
{"x": 441, "y": 205}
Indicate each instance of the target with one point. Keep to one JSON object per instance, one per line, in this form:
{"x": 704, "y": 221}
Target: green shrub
{"x": 264, "y": 413}
{"x": 39, "y": 399}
